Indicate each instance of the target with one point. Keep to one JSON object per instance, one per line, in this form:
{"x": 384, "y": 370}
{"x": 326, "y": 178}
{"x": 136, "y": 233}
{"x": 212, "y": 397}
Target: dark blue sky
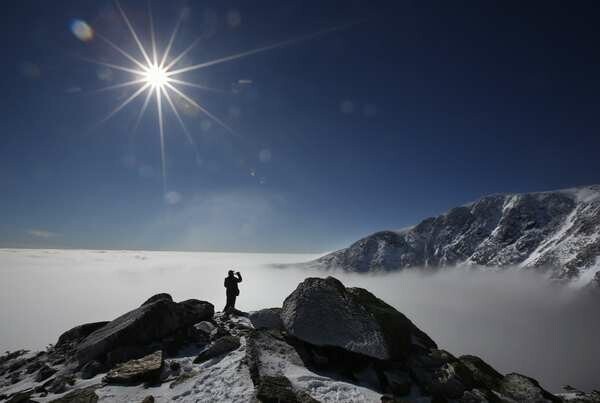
{"x": 419, "y": 107}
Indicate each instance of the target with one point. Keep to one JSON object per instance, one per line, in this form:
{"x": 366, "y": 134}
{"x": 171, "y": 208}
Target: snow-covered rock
{"x": 520, "y": 388}
{"x": 325, "y": 313}
{"x": 558, "y": 231}
{"x": 270, "y": 356}
{"x": 126, "y": 336}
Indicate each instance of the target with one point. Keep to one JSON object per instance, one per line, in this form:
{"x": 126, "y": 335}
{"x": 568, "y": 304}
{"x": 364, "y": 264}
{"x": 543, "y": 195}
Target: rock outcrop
{"x": 325, "y": 313}
{"x": 521, "y": 388}
{"x": 327, "y": 343}
{"x": 219, "y": 347}
{"x": 269, "y": 318}
{"x": 156, "y": 319}
{"x": 278, "y": 389}
{"x": 78, "y": 333}
{"x": 145, "y": 369}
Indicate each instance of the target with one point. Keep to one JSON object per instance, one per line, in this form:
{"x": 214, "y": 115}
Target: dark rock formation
{"x": 325, "y": 313}
{"x": 9, "y": 356}
{"x": 398, "y": 382}
{"x": 91, "y": 369}
{"x": 273, "y": 389}
{"x": 146, "y": 369}
{"x": 482, "y": 373}
{"x": 206, "y": 328}
{"x": 219, "y": 347}
{"x": 44, "y": 373}
{"x": 269, "y": 318}
{"x": 158, "y": 297}
{"x": 524, "y": 389}
{"x": 78, "y": 333}
{"x": 278, "y": 389}
{"x": 153, "y": 321}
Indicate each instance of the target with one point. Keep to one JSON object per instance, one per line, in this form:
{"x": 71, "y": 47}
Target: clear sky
{"x": 416, "y": 108}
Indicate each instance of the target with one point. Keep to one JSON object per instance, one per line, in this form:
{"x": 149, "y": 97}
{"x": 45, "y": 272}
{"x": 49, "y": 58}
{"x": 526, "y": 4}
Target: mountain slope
{"x": 557, "y": 230}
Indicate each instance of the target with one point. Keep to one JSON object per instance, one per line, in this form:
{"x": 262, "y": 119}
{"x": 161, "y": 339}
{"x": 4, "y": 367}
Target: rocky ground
{"x": 327, "y": 343}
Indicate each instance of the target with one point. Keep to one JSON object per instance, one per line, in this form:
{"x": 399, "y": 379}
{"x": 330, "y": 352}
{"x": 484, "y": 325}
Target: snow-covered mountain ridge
{"x": 557, "y": 230}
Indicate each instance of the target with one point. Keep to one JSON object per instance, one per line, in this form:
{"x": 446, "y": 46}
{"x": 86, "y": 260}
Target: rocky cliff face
{"x": 328, "y": 343}
{"x": 558, "y": 231}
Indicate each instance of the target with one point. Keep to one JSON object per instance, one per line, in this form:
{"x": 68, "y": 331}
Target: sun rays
{"x": 156, "y": 80}
{"x": 158, "y": 76}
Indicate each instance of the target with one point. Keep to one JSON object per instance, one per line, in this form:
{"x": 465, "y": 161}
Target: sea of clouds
{"x": 516, "y": 320}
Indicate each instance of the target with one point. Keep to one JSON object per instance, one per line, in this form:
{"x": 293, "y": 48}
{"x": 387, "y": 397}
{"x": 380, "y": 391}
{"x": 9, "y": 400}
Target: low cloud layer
{"x": 515, "y": 320}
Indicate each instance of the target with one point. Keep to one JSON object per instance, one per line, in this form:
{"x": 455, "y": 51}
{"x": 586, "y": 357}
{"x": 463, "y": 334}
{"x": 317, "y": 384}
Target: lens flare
{"x": 82, "y": 30}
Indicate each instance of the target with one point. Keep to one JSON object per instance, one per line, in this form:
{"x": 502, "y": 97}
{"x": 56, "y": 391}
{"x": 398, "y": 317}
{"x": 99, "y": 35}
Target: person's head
{"x": 230, "y": 273}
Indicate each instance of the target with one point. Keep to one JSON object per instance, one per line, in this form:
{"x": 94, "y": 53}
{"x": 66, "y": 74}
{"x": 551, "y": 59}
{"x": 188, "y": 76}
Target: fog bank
{"x": 517, "y": 321}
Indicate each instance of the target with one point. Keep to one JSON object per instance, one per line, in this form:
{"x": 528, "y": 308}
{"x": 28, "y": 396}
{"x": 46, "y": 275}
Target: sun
{"x": 156, "y": 76}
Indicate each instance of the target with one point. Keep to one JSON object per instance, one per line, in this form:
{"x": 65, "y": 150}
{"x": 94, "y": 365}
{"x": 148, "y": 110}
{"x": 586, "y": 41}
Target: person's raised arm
{"x": 239, "y": 276}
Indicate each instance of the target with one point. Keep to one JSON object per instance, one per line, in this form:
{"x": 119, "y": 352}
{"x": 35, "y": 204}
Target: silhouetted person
{"x": 232, "y": 290}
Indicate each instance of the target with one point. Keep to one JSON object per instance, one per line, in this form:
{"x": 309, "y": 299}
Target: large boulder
{"x": 325, "y": 313}
{"x": 154, "y": 320}
{"x": 145, "y": 369}
{"x": 269, "y": 318}
{"x": 78, "y": 333}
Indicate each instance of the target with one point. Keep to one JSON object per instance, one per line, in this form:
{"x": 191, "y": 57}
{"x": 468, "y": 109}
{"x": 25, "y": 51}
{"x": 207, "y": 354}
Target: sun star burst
{"x": 156, "y": 76}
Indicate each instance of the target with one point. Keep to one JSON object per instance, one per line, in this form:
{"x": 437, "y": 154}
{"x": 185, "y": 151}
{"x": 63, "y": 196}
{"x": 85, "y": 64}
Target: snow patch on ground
{"x": 279, "y": 359}
{"x": 222, "y": 379}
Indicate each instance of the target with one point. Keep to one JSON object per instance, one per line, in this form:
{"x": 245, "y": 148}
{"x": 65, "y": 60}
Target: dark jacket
{"x": 231, "y": 284}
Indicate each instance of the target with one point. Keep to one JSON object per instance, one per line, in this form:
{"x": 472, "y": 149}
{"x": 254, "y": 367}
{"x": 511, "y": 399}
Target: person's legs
{"x": 229, "y": 304}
